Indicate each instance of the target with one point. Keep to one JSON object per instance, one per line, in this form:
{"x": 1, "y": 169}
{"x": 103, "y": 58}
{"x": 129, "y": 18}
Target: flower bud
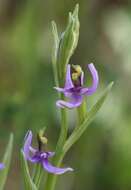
{"x": 67, "y": 43}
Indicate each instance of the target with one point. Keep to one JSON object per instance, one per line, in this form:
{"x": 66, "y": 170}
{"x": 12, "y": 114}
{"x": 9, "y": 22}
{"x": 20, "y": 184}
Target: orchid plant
{"x": 69, "y": 82}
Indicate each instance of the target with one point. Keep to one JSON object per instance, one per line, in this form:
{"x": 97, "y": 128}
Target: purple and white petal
{"x": 27, "y": 146}
{"x": 32, "y": 150}
{"x": 95, "y": 82}
{"x": 67, "y": 92}
{"x": 47, "y": 154}
{"x": 74, "y": 102}
{"x": 2, "y": 166}
{"x": 68, "y": 83}
{"x": 95, "y": 78}
{"x": 54, "y": 170}
{"x": 59, "y": 89}
{"x": 35, "y": 159}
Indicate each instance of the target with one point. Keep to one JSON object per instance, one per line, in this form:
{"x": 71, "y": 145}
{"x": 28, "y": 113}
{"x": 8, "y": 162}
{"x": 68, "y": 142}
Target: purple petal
{"x": 60, "y": 89}
{"x": 67, "y": 92}
{"x": 40, "y": 156}
{"x": 27, "y": 146}
{"x": 33, "y": 150}
{"x": 74, "y": 102}
{"x": 2, "y": 166}
{"x": 36, "y": 158}
{"x": 95, "y": 77}
{"x": 55, "y": 170}
{"x": 47, "y": 154}
{"x": 68, "y": 83}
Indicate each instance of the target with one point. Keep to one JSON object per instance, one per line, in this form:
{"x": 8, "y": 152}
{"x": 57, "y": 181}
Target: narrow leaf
{"x": 56, "y": 41}
{"x": 28, "y": 182}
{"x": 90, "y": 116}
{"x": 6, "y": 162}
{"x": 37, "y": 175}
{"x": 55, "y": 51}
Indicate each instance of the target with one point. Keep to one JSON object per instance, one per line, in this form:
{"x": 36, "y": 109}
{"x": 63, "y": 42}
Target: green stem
{"x": 81, "y": 112}
{"x": 51, "y": 179}
{"x": 37, "y": 175}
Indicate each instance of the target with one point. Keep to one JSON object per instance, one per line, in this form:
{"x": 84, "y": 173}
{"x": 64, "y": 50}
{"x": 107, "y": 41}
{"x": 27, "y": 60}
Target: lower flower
{"x": 41, "y": 157}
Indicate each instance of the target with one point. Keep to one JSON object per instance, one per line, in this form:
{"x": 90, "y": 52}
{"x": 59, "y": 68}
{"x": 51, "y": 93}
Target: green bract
{"x": 65, "y": 45}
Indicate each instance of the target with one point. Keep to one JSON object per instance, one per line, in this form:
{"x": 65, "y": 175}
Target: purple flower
{"x": 2, "y": 166}
{"x": 74, "y": 89}
{"x": 38, "y": 156}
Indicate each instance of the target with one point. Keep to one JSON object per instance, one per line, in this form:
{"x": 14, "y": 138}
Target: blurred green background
{"x": 102, "y": 157}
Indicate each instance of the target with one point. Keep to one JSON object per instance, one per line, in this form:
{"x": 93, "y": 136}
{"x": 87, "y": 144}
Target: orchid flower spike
{"x": 41, "y": 157}
{"x": 74, "y": 89}
{"x": 2, "y": 166}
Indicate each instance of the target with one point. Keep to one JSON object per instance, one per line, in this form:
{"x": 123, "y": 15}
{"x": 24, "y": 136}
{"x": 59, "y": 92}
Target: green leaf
{"x": 6, "y": 161}
{"x": 28, "y": 182}
{"x": 56, "y": 42}
{"x": 38, "y": 175}
{"x": 90, "y": 116}
{"x": 55, "y": 51}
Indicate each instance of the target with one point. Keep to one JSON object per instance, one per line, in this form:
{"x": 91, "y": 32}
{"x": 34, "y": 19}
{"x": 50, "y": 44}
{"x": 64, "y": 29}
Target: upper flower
{"x": 74, "y": 89}
{"x": 39, "y": 156}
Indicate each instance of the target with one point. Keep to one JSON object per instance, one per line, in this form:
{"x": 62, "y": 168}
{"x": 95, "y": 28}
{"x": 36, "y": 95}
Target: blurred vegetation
{"x": 102, "y": 158}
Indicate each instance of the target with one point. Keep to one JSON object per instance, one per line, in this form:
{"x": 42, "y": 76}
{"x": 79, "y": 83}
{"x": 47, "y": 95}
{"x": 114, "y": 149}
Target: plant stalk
{"x": 52, "y": 179}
